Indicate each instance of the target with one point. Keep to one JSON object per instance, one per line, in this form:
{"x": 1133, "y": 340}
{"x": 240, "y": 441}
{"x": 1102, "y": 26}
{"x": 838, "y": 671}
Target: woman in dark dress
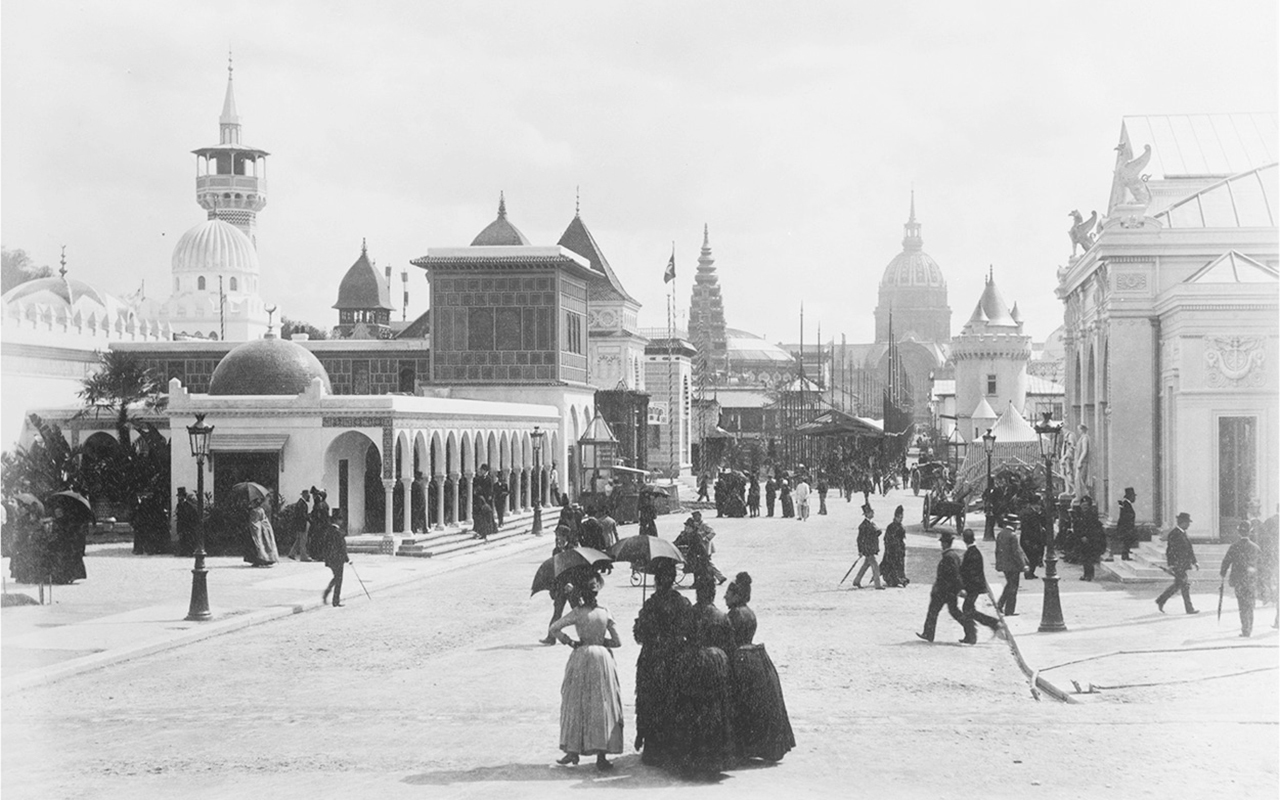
{"x": 753, "y": 497}
{"x": 658, "y": 629}
{"x": 770, "y": 494}
{"x": 893, "y": 567}
{"x": 761, "y": 727}
{"x": 68, "y": 541}
{"x": 784, "y": 494}
{"x": 704, "y": 716}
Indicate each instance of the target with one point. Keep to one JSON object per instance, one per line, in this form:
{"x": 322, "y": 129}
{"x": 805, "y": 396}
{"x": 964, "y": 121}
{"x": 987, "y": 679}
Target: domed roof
{"x": 743, "y": 346}
{"x": 215, "y": 246}
{"x": 362, "y": 287}
{"x": 59, "y": 291}
{"x": 500, "y": 231}
{"x": 991, "y": 310}
{"x": 913, "y": 267}
{"x": 267, "y": 366}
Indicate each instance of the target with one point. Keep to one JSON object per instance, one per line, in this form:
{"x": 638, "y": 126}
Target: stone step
{"x": 454, "y": 541}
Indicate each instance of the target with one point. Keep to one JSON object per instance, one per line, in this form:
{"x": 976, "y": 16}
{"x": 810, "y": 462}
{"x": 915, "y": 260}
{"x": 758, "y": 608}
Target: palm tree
{"x": 122, "y": 382}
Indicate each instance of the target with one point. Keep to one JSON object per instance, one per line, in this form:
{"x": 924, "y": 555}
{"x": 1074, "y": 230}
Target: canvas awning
{"x": 837, "y": 423}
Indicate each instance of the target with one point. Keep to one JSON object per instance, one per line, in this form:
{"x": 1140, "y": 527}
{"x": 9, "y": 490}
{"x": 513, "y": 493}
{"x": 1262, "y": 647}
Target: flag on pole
{"x": 670, "y": 274}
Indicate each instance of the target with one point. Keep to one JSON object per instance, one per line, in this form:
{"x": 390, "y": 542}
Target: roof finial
{"x": 502, "y": 205}
{"x": 991, "y": 273}
{"x": 63, "y": 271}
{"x": 364, "y": 245}
{"x": 577, "y": 201}
{"x": 271, "y": 325}
{"x": 706, "y": 236}
{"x": 230, "y": 67}
{"x": 913, "y": 203}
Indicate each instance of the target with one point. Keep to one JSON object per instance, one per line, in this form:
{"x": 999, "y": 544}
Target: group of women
{"x": 707, "y": 695}
{"x": 46, "y": 549}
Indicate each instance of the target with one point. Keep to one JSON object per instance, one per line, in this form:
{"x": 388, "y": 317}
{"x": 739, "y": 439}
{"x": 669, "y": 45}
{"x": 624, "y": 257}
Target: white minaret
{"x": 231, "y": 178}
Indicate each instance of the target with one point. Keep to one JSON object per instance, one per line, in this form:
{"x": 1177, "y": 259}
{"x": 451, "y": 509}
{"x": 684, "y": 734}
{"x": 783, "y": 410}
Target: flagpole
{"x": 671, "y": 381}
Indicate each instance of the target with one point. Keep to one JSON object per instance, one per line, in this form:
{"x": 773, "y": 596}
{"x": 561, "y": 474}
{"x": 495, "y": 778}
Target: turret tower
{"x": 706, "y": 317}
{"x": 231, "y": 178}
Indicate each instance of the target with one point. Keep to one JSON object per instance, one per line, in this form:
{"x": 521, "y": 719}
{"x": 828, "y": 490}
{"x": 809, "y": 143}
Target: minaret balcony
{"x": 232, "y": 183}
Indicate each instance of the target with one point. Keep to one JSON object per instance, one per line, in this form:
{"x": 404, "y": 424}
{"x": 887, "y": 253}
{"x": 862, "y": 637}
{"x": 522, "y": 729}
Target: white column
{"x": 439, "y": 479}
{"x": 407, "y": 511}
{"x": 457, "y": 490}
{"x": 388, "y": 492}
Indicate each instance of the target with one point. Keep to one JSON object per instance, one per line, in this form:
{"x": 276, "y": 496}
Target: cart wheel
{"x": 637, "y": 577}
{"x": 680, "y": 576}
{"x": 925, "y": 522}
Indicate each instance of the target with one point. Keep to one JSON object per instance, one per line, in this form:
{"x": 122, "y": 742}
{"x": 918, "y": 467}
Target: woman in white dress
{"x": 590, "y": 696}
{"x": 263, "y": 536}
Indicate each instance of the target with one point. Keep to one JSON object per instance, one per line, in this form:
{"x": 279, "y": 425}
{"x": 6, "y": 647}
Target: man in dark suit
{"x": 500, "y": 492}
{"x": 946, "y": 588}
{"x": 1126, "y": 533}
{"x": 973, "y": 574}
{"x": 1242, "y": 559}
{"x": 1011, "y": 561}
{"x": 1181, "y": 558}
{"x": 868, "y": 548}
{"x": 188, "y": 522}
{"x": 335, "y": 558}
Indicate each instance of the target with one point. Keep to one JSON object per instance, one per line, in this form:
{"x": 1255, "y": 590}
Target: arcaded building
{"x": 1171, "y": 322}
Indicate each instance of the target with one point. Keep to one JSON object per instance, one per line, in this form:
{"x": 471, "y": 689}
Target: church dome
{"x": 267, "y": 366}
{"x": 215, "y": 246}
{"x": 500, "y": 231}
{"x": 913, "y": 267}
{"x": 362, "y": 287}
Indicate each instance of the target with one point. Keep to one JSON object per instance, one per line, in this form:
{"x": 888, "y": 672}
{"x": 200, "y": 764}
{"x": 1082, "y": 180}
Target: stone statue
{"x": 1082, "y": 462}
{"x": 1129, "y": 175}
{"x": 1067, "y": 459}
{"x": 1081, "y": 232}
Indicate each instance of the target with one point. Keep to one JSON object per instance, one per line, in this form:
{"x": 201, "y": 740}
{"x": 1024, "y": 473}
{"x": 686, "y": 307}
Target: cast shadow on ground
{"x": 513, "y": 646}
{"x": 627, "y": 773}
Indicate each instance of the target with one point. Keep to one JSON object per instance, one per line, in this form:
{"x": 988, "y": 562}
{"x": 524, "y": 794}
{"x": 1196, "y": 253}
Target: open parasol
{"x": 72, "y": 502}
{"x": 641, "y": 550}
{"x": 581, "y": 557}
{"x": 544, "y": 580}
{"x": 30, "y": 500}
{"x": 249, "y": 492}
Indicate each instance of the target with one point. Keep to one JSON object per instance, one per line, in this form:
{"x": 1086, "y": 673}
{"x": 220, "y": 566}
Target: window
{"x": 573, "y": 332}
{"x": 991, "y": 384}
{"x": 200, "y": 283}
{"x": 176, "y": 284}
{"x": 233, "y": 284}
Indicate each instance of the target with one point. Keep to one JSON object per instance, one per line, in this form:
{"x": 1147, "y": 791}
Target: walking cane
{"x": 362, "y": 586}
{"x": 1221, "y": 586}
{"x": 850, "y": 572}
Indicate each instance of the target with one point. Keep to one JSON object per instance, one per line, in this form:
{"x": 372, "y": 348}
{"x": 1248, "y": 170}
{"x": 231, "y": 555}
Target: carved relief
{"x": 1234, "y": 361}
{"x": 1131, "y": 282}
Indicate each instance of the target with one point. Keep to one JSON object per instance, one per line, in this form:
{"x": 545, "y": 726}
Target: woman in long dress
{"x": 784, "y": 494}
{"x": 704, "y": 717}
{"x": 658, "y": 629}
{"x": 263, "y": 536}
{"x": 761, "y": 726}
{"x": 590, "y": 696}
{"x": 894, "y": 564}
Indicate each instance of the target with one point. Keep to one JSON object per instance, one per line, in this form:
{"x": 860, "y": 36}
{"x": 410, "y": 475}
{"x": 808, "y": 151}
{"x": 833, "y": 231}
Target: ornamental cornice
{"x": 355, "y": 422}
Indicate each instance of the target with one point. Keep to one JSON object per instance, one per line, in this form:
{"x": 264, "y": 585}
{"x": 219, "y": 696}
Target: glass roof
{"x": 1247, "y": 200}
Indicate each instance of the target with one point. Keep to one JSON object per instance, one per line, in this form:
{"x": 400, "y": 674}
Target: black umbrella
{"x": 640, "y": 550}
{"x": 545, "y": 578}
{"x": 72, "y": 502}
{"x": 581, "y": 557}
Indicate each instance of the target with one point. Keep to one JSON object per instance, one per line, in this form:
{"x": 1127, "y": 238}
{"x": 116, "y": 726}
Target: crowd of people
{"x": 46, "y": 548}
{"x": 707, "y": 695}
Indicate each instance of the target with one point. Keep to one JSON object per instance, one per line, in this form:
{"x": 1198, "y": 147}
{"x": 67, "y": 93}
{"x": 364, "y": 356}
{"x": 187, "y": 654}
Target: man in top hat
{"x": 1242, "y": 560}
{"x": 299, "y": 520}
{"x": 1181, "y": 558}
{"x": 868, "y": 548}
{"x": 1126, "y": 533}
{"x": 973, "y": 575}
{"x": 320, "y": 515}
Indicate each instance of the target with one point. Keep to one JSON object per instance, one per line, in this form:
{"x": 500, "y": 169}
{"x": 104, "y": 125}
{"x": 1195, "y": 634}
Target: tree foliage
{"x": 288, "y": 327}
{"x": 122, "y": 382}
{"x": 16, "y": 267}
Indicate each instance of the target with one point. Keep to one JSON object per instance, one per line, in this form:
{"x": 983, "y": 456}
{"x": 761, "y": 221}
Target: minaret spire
{"x": 577, "y": 201}
{"x": 502, "y": 205}
{"x": 229, "y": 122}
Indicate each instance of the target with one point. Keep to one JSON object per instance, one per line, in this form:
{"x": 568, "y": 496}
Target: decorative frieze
{"x": 1131, "y": 282}
{"x": 1234, "y": 361}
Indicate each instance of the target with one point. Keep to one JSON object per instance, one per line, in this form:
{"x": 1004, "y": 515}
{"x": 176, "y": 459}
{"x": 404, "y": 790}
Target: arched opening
{"x": 234, "y": 285}
{"x": 346, "y": 465}
{"x": 375, "y": 512}
{"x": 200, "y": 284}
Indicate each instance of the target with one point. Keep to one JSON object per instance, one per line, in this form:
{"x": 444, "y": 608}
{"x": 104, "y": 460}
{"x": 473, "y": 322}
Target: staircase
{"x": 451, "y": 539}
{"x": 1148, "y": 558}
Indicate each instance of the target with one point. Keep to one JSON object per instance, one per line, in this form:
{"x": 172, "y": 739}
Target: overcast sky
{"x": 794, "y": 130}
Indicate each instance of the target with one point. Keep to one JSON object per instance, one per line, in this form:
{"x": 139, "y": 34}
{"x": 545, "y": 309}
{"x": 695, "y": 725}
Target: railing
{"x": 246, "y": 183}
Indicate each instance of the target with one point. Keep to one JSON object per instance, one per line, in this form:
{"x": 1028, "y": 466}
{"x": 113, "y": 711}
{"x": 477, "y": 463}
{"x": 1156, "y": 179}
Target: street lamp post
{"x": 989, "y": 445}
{"x": 199, "y": 435}
{"x": 1051, "y": 615}
{"x": 537, "y": 437}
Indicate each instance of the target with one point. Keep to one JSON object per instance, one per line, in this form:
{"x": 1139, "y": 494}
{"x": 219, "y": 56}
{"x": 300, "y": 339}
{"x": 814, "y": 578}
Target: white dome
{"x": 215, "y": 246}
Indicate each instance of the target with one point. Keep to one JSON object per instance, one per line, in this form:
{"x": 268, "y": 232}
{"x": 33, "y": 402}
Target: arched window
{"x": 233, "y": 284}
{"x": 176, "y": 284}
{"x": 200, "y": 283}
{"x": 213, "y": 335}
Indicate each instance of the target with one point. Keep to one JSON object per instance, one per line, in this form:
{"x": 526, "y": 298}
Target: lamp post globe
{"x": 199, "y": 436}
{"x": 1051, "y": 620}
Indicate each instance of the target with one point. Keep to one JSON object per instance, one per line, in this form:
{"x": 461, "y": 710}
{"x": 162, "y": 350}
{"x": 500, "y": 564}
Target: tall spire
{"x": 911, "y": 241}
{"x": 577, "y": 201}
{"x": 502, "y": 205}
{"x": 229, "y": 122}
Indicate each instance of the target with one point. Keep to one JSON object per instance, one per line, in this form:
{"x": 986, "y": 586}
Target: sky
{"x": 794, "y": 131}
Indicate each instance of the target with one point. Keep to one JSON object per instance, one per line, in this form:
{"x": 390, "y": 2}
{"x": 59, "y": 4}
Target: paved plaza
{"x": 437, "y": 687}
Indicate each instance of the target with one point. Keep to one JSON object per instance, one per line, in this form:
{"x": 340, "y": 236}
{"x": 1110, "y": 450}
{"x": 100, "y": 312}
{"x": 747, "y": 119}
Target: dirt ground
{"x": 440, "y": 689}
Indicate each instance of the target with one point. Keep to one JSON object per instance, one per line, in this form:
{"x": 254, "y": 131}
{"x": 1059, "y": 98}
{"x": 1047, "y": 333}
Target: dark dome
{"x": 500, "y": 231}
{"x": 362, "y": 287}
{"x": 267, "y": 366}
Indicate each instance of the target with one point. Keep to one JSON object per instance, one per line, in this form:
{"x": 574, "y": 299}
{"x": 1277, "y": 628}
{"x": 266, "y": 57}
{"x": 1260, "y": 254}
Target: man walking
{"x": 1011, "y": 562}
{"x": 1126, "y": 533}
{"x": 1242, "y": 559}
{"x": 822, "y": 495}
{"x": 335, "y": 558}
{"x": 946, "y": 588}
{"x": 299, "y": 517}
{"x": 500, "y": 494}
{"x": 973, "y": 574}
{"x": 770, "y": 495}
{"x": 1181, "y": 558}
{"x": 868, "y": 548}
{"x": 801, "y": 493}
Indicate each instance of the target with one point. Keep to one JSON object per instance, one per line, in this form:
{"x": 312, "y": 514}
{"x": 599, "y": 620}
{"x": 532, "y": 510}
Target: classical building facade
{"x": 1171, "y": 323}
